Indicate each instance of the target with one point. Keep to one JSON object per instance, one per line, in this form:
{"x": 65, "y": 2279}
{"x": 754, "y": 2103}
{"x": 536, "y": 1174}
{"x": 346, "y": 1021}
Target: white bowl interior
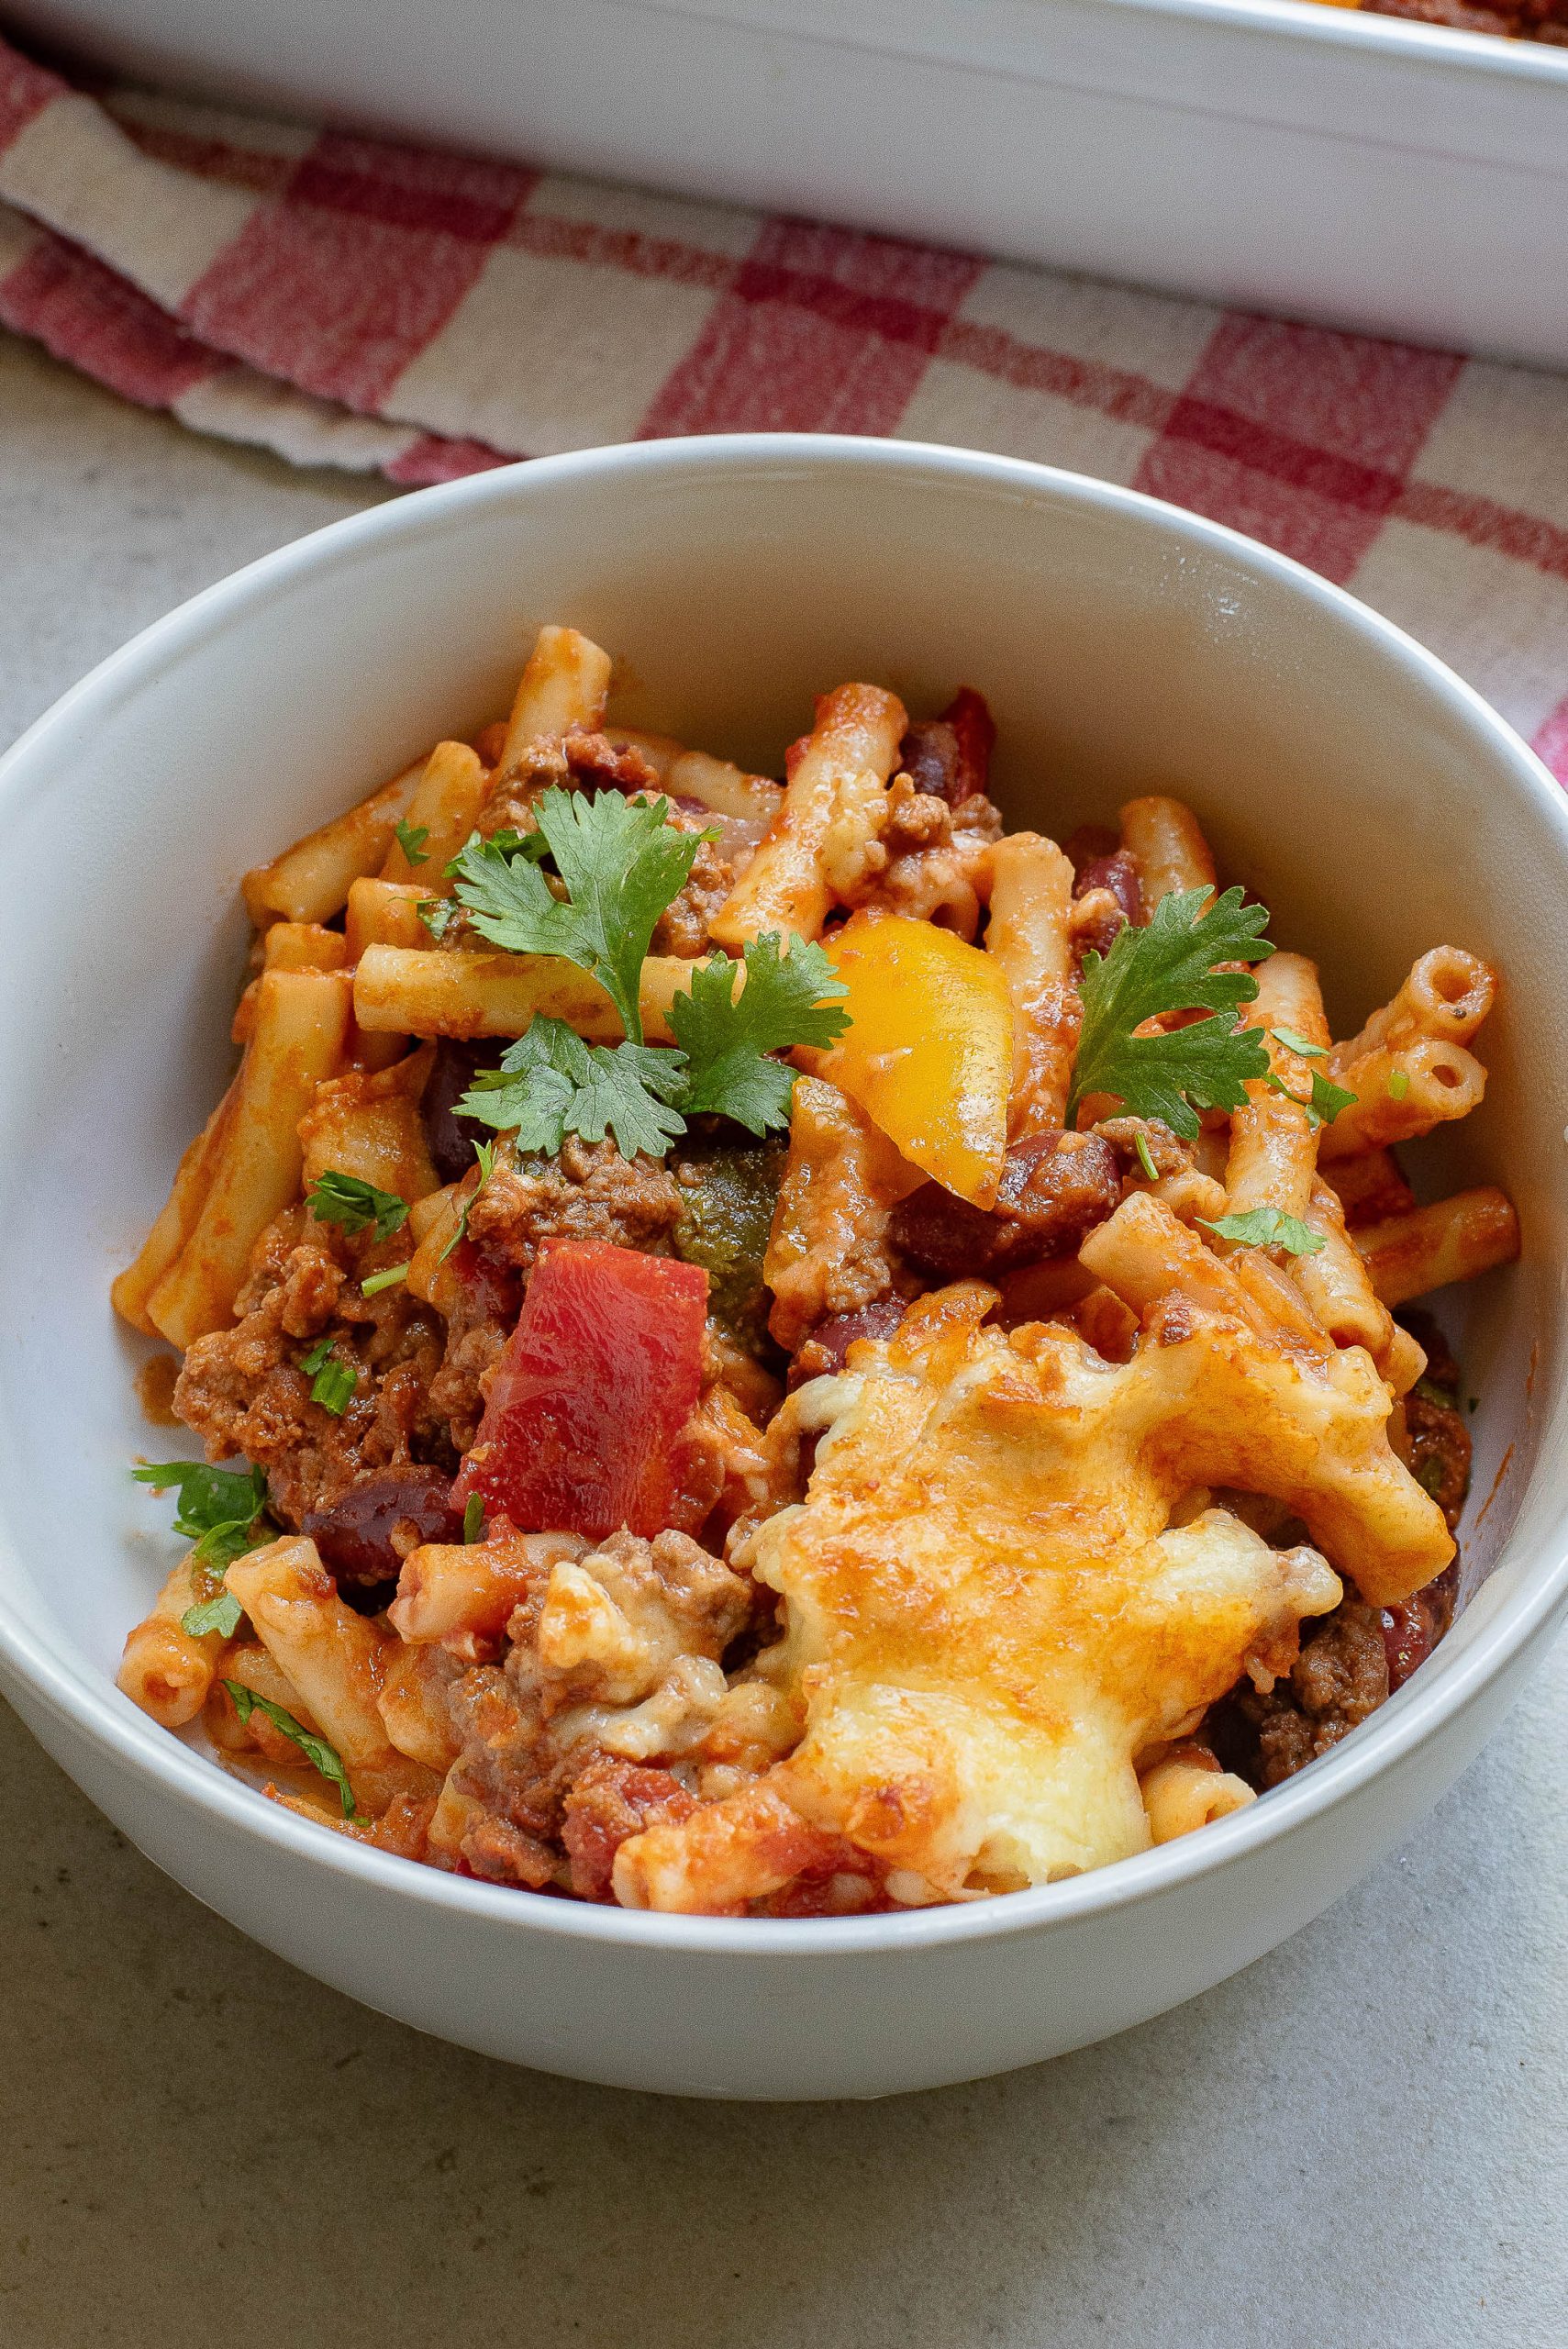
{"x": 1376, "y": 806}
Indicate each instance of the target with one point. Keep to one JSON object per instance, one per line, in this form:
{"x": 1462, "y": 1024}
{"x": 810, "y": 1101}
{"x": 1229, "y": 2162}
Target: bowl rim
{"x": 94, "y": 1709}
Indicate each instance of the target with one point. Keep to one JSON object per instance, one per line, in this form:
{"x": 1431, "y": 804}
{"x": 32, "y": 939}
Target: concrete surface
{"x": 1364, "y": 2139}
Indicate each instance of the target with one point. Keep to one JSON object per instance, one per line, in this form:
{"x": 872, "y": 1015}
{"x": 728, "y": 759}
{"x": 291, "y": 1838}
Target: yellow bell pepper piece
{"x": 930, "y": 1053}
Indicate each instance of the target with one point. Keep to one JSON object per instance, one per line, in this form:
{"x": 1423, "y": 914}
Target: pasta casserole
{"x": 775, "y": 1347}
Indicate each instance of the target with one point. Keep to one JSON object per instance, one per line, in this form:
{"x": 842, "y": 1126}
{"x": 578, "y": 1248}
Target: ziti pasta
{"x": 771, "y": 1346}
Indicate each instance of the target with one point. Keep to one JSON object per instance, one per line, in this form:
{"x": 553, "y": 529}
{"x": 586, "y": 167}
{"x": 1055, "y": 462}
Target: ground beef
{"x": 245, "y": 1391}
{"x": 1337, "y": 1681}
{"x": 589, "y": 1192}
{"x": 482, "y": 1315}
{"x": 531, "y": 1729}
{"x": 1438, "y": 1446}
{"x": 682, "y": 927}
{"x": 610, "y": 1801}
{"x": 596, "y": 764}
{"x": 1436, "y": 1442}
{"x": 1055, "y": 1187}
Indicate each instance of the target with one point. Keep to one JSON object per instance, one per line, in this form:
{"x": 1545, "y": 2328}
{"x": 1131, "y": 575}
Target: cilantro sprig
{"x": 411, "y": 838}
{"x": 220, "y": 1509}
{"x": 621, "y": 861}
{"x": 349, "y": 1201}
{"x": 726, "y": 1036}
{"x": 317, "y": 1753}
{"x": 1174, "y": 964}
{"x": 1265, "y": 1228}
{"x": 620, "y": 864}
{"x": 551, "y": 1083}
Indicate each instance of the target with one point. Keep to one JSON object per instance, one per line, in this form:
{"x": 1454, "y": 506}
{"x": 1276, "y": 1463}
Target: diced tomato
{"x": 970, "y": 716}
{"x": 597, "y": 1382}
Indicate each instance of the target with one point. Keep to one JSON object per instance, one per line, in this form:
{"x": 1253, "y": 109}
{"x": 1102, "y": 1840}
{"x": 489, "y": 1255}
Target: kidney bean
{"x": 1055, "y": 1187}
{"x": 354, "y": 1535}
{"x": 452, "y": 1138}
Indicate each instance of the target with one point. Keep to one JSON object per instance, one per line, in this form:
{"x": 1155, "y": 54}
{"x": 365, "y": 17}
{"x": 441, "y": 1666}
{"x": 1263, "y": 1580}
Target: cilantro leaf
{"x": 484, "y": 1151}
{"x": 551, "y": 1083}
{"x": 1299, "y": 1044}
{"x": 438, "y": 914}
{"x": 788, "y": 1000}
{"x": 622, "y": 863}
{"x": 221, "y": 1613}
{"x": 316, "y": 1750}
{"x": 347, "y": 1200}
{"x": 1171, "y": 966}
{"x": 332, "y": 1382}
{"x": 411, "y": 838}
{"x": 217, "y": 1509}
{"x": 1323, "y": 1104}
{"x": 1328, "y": 1100}
{"x": 1266, "y": 1228}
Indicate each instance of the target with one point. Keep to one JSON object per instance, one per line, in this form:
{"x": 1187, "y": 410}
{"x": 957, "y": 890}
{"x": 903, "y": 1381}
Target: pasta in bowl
{"x": 794, "y": 1350}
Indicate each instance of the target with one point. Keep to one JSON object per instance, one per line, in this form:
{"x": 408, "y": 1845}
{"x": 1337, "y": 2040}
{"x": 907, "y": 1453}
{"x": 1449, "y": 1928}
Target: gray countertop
{"x": 1364, "y": 2139}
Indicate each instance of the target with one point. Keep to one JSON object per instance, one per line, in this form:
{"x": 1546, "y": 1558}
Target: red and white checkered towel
{"x": 346, "y": 302}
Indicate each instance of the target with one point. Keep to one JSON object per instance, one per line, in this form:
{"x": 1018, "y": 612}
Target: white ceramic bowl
{"x": 1374, "y": 802}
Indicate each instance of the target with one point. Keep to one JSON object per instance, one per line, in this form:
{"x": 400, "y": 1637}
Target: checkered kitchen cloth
{"x": 346, "y": 302}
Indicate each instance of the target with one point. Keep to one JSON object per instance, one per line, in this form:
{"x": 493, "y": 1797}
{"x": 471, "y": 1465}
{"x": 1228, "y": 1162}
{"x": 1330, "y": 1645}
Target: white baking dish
{"x": 1304, "y": 160}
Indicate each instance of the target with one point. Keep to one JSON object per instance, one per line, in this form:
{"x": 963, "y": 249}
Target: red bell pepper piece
{"x": 597, "y": 1382}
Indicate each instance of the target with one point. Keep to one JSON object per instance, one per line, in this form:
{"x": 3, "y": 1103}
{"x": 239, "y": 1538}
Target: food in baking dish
{"x": 783, "y": 1349}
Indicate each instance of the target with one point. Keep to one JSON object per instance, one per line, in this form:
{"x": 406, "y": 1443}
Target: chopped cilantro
{"x": 332, "y": 1382}
{"x": 411, "y": 838}
{"x": 1265, "y": 1228}
{"x": 378, "y": 1281}
{"x": 1399, "y": 1083}
{"x": 1322, "y": 1104}
{"x": 1299, "y": 1044}
{"x": 1145, "y": 1157}
{"x": 347, "y": 1200}
{"x": 621, "y": 864}
{"x": 484, "y": 1151}
{"x": 217, "y": 1509}
{"x": 1328, "y": 1100}
{"x": 316, "y": 1750}
{"x": 438, "y": 914}
{"x": 1173, "y": 964}
{"x": 220, "y": 1613}
{"x": 474, "y": 1517}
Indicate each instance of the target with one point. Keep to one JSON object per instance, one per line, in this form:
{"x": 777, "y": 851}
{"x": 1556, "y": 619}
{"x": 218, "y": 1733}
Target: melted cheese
{"x": 990, "y": 1614}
